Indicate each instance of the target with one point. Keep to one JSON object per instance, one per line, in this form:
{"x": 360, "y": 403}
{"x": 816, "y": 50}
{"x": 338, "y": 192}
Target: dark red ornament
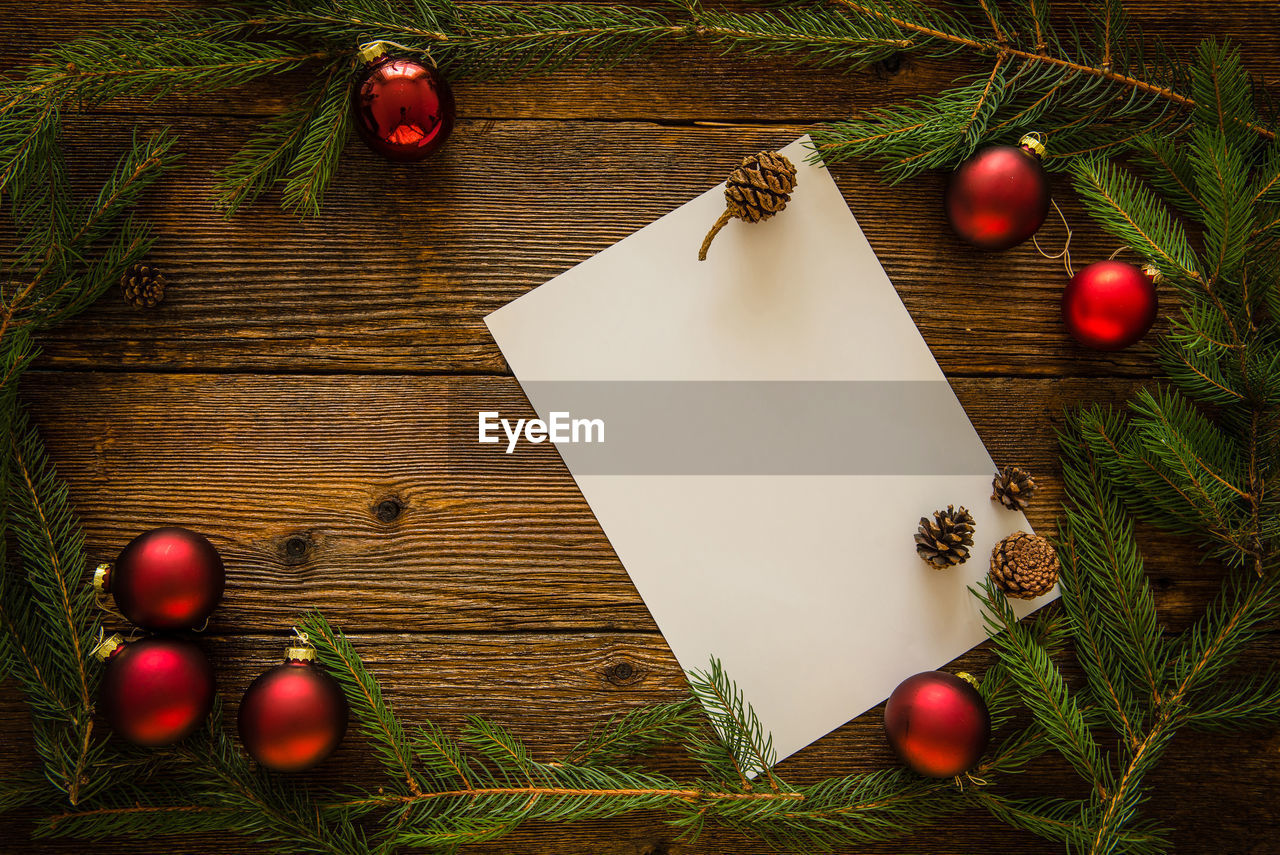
{"x": 154, "y": 691}
{"x": 166, "y": 579}
{"x": 999, "y": 197}
{"x": 293, "y": 716}
{"x": 403, "y": 107}
{"x": 937, "y": 723}
{"x": 1109, "y": 305}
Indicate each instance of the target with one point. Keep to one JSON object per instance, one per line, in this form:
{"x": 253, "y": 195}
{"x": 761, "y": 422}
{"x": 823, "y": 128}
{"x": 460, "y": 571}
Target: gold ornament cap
{"x": 102, "y": 578}
{"x": 301, "y": 649}
{"x": 299, "y": 654}
{"x": 1153, "y": 273}
{"x": 108, "y": 646}
{"x": 968, "y": 678}
{"x": 1032, "y": 142}
{"x": 369, "y": 51}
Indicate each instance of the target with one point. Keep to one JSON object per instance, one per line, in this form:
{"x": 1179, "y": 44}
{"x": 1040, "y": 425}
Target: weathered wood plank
{"x": 677, "y": 84}
{"x": 287, "y": 475}
{"x": 552, "y": 688}
{"x": 400, "y": 271}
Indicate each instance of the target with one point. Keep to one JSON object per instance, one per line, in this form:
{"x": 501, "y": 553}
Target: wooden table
{"x": 292, "y": 398}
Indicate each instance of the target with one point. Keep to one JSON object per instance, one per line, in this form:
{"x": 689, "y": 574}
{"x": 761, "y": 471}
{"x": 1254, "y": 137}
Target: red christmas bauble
{"x": 999, "y": 197}
{"x": 937, "y": 723}
{"x": 1109, "y": 305}
{"x": 403, "y": 108}
{"x": 166, "y": 579}
{"x": 155, "y": 691}
{"x": 293, "y": 716}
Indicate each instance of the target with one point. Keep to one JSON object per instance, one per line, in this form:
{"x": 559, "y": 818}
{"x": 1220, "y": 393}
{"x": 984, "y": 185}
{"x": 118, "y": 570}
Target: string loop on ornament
{"x": 1065, "y": 255}
{"x": 363, "y": 48}
{"x": 202, "y": 626}
{"x": 302, "y": 636}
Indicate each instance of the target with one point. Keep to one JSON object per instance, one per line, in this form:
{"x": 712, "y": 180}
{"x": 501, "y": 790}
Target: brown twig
{"x": 1005, "y": 50}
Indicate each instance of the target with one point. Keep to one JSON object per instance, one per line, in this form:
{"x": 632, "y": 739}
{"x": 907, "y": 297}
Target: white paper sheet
{"x": 807, "y": 587}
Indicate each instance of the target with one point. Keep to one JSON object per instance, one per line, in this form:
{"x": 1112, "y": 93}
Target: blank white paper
{"x": 806, "y": 587}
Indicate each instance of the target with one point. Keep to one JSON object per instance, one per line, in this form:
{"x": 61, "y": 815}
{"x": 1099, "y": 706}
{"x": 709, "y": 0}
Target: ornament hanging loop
{"x": 1153, "y": 272}
{"x": 1065, "y": 254}
{"x": 368, "y": 51}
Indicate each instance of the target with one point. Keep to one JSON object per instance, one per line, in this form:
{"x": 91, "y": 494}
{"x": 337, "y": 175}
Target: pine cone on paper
{"x": 1024, "y": 565}
{"x": 142, "y": 286}
{"x": 1012, "y": 487}
{"x": 944, "y": 541}
{"x": 759, "y": 188}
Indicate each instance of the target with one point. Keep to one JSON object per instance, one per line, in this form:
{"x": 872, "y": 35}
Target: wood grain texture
{"x": 295, "y": 471}
{"x": 553, "y": 688}
{"x": 298, "y": 398}
{"x": 379, "y": 286}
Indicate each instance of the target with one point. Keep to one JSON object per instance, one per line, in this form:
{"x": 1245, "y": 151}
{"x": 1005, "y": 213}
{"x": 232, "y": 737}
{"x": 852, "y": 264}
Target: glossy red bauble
{"x": 293, "y": 716}
{"x": 937, "y": 723}
{"x": 403, "y": 108}
{"x": 155, "y": 691}
{"x": 1109, "y": 305}
{"x": 166, "y": 579}
{"x": 999, "y": 197}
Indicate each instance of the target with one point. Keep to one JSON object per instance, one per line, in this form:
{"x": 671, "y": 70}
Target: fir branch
{"x": 56, "y": 631}
{"x": 1135, "y": 215}
{"x": 377, "y": 720}
{"x": 319, "y": 148}
{"x": 273, "y": 148}
{"x": 1052, "y": 706}
{"x": 749, "y": 747}
{"x": 634, "y": 733}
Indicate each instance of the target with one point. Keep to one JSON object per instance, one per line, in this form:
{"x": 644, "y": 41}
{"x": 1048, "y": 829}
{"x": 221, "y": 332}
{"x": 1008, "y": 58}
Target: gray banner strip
{"x": 746, "y": 428}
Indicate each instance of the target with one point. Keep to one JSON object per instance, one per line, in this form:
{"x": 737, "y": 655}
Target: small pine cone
{"x": 142, "y": 286}
{"x": 759, "y": 188}
{"x": 1012, "y": 487}
{"x": 1024, "y": 565}
{"x": 944, "y": 541}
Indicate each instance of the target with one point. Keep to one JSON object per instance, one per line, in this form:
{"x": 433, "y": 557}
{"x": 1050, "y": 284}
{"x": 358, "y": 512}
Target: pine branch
{"x": 1052, "y": 706}
{"x": 319, "y": 149}
{"x": 1135, "y": 215}
{"x": 273, "y": 148}
{"x": 378, "y": 723}
{"x": 1234, "y": 706}
{"x": 634, "y": 733}
{"x": 747, "y": 747}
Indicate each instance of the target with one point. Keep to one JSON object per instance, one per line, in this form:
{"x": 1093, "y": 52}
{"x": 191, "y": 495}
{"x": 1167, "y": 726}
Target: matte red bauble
{"x": 165, "y": 579}
{"x": 403, "y": 108}
{"x": 294, "y": 715}
{"x": 154, "y": 691}
{"x": 1109, "y": 305}
{"x": 1000, "y": 196}
{"x": 937, "y": 723}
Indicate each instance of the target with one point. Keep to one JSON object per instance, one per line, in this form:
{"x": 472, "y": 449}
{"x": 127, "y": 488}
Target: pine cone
{"x": 1024, "y": 565}
{"x": 142, "y": 286}
{"x": 1012, "y": 487}
{"x": 759, "y": 188}
{"x": 944, "y": 541}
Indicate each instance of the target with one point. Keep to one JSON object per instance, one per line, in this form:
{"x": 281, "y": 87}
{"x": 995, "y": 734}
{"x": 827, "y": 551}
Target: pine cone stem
{"x": 711, "y": 235}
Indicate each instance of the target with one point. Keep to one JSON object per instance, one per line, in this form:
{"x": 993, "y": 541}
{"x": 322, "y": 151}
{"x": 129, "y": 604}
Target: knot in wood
{"x": 295, "y": 548}
{"x": 388, "y": 510}
{"x": 623, "y": 673}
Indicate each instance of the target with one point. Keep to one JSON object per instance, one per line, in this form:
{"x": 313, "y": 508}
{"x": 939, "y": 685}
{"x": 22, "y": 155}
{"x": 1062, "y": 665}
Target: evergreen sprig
{"x": 1197, "y": 456}
{"x": 1092, "y": 87}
